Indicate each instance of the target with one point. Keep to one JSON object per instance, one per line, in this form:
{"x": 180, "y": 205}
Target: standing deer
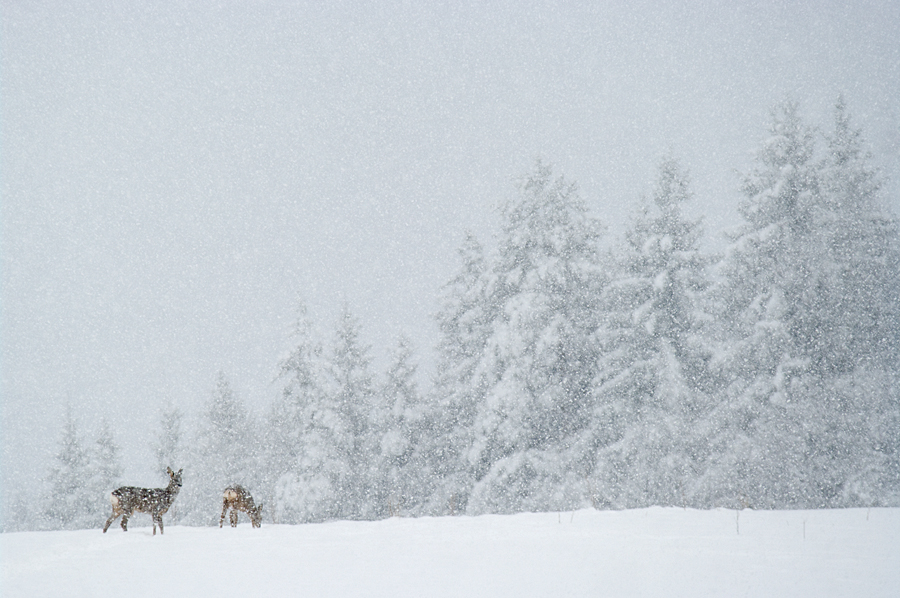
{"x": 154, "y": 501}
{"x": 238, "y": 499}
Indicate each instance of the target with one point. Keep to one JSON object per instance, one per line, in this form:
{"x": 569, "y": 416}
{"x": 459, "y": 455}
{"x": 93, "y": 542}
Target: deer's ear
{"x": 180, "y": 470}
{"x": 169, "y": 471}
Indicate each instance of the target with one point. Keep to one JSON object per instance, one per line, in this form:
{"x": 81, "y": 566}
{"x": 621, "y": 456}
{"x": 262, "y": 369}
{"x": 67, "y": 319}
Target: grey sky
{"x": 174, "y": 177}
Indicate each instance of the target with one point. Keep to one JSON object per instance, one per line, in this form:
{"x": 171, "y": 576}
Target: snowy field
{"x": 648, "y": 552}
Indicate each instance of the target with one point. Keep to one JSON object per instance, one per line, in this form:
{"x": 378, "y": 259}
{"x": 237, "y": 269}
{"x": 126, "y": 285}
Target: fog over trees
{"x": 580, "y": 369}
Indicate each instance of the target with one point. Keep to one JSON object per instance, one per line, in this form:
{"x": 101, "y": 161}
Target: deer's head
{"x": 174, "y": 477}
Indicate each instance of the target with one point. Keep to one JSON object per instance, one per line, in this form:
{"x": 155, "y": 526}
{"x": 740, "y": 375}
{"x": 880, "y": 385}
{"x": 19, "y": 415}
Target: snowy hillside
{"x": 648, "y": 552}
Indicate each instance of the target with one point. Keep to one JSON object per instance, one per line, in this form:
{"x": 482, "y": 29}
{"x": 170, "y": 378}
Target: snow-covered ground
{"x": 649, "y": 552}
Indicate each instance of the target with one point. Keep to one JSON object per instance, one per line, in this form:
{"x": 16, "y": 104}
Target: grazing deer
{"x": 238, "y": 499}
{"x": 154, "y": 501}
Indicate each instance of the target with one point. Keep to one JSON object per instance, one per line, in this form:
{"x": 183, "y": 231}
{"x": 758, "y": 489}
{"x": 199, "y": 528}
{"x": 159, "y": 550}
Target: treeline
{"x": 569, "y": 376}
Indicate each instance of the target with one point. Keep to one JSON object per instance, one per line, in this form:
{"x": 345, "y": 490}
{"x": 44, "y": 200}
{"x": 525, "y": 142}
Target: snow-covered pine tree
{"x": 860, "y": 283}
{"x": 769, "y": 303}
{"x": 651, "y": 378}
{"x": 851, "y": 403}
{"x": 226, "y": 453}
{"x": 810, "y": 283}
{"x": 464, "y": 320}
{"x": 168, "y": 449}
{"x": 295, "y": 480}
{"x": 539, "y": 359}
{"x": 19, "y": 515}
{"x": 71, "y": 503}
{"x": 767, "y": 264}
{"x": 351, "y": 422}
{"x": 105, "y": 467}
{"x": 400, "y": 471}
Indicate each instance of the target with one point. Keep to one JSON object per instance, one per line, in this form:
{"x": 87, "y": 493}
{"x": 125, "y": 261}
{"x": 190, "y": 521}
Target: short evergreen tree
{"x": 105, "y": 466}
{"x": 168, "y": 448}
{"x": 71, "y": 503}
{"x": 400, "y": 468}
{"x": 226, "y": 453}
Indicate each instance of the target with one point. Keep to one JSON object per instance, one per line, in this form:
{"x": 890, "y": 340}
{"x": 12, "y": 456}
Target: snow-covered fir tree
{"x": 650, "y": 383}
{"x": 168, "y": 449}
{"x": 400, "y": 469}
{"x": 299, "y": 371}
{"x": 227, "y": 451}
{"x": 19, "y": 515}
{"x": 72, "y": 503}
{"x": 105, "y": 466}
{"x": 294, "y": 472}
{"x": 464, "y": 320}
{"x": 859, "y": 281}
{"x": 767, "y": 265}
{"x": 807, "y": 306}
{"x": 538, "y": 361}
{"x": 326, "y": 429}
{"x": 852, "y": 404}
{"x": 353, "y": 421}
{"x": 763, "y": 307}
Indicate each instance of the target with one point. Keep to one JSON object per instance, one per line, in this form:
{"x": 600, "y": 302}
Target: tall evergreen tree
{"x": 300, "y": 372}
{"x": 852, "y": 408}
{"x": 300, "y": 450}
{"x": 765, "y": 305}
{"x": 767, "y": 265}
{"x": 329, "y": 439}
{"x": 808, "y": 297}
{"x": 538, "y": 361}
{"x": 464, "y": 320}
{"x": 651, "y": 378}
{"x": 859, "y": 282}
{"x": 355, "y": 429}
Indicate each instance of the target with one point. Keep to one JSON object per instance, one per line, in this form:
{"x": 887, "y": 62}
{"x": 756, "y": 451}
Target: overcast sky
{"x": 175, "y": 177}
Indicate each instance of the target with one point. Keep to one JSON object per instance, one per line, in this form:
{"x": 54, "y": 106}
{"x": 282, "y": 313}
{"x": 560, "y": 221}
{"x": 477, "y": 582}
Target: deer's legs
{"x": 233, "y": 517}
{"x": 110, "y": 520}
{"x": 224, "y": 508}
{"x": 124, "y": 524}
